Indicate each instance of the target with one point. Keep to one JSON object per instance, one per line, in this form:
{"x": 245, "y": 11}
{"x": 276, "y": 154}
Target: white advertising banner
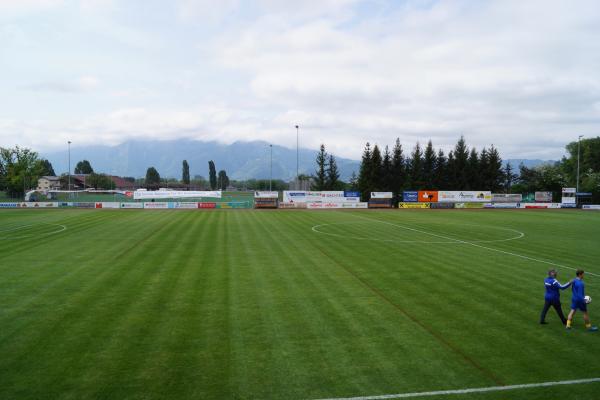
{"x": 156, "y": 205}
{"x": 543, "y": 197}
{"x": 333, "y": 196}
{"x": 132, "y": 205}
{"x": 186, "y": 205}
{"x": 175, "y": 194}
{"x": 40, "y": 204}
{"x": 266, "y": 195}
{"x": 314, "y": 204}
{"x": 591, "y": 206}
{"x": 507, "y": 198}
{"x": 111, "y": 204}
{"x": 381, "y": 195}
{"x": 464, "y": 196}
{"x": 300, "y": 196}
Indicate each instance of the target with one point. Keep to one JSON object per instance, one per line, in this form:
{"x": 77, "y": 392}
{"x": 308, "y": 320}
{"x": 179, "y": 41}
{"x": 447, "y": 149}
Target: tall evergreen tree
{"x": 398, "y": 170}
{"x": 509, "y": 178}
{"x": 47, "y": 169}
{"x": 333, "y": 174}
{"x": 386, "y": 171}
{"x": 185, "y": 173}
{"x": 417, "y": 180}
{"x": 152, "y": 178}
{"x": 223, "y": 180}
{"x": 484, "y": 172}
{"x": 461, "y": 156}
{"x": 320, "y": 177}
{"x": 429, "y": 164}
{"x": 365, "y": 172}
{"x": 353, "y": 183}
{"x": 494, "y": 169}
{"x": 440, "y": 176}
{"x": 473, "y": 172}
{"x": 212, "y": 175}
{"x": 376, "y": 171}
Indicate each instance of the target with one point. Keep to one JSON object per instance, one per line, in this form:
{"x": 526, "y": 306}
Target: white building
{"x": 46, "y": 183}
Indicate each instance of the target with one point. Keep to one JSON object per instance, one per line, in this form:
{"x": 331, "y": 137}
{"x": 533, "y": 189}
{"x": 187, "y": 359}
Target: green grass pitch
{"x": 132, "y": 304}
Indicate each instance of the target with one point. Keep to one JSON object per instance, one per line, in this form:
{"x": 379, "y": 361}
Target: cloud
{"x": 80, "y": 85}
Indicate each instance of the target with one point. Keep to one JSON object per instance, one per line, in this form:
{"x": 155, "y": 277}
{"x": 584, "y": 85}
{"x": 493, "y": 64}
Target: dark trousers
{"x": 557, "y": 307}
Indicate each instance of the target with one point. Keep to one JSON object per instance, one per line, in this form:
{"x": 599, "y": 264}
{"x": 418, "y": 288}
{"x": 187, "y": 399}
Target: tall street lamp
{"x": 69, "y": 144}
{"x": 578, "y": 152}
{"x": 297, "y": 153}
{"x": 271, "y": 167}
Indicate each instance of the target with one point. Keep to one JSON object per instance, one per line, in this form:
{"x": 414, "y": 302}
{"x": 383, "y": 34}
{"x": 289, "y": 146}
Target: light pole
{"x": 578, "y": 152}
{"x": 271, "y": 167}
{"x": 69, "y": 144}
{"x": 297, "y": 152}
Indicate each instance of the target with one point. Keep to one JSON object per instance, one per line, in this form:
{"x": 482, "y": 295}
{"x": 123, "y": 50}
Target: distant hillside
{"x": 241, "y": 160}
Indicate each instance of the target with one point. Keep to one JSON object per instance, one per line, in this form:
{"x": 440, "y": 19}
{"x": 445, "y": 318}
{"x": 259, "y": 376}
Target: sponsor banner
{"x": 503, "y": 205}
{"x": 292, "y": 205}
{"x": 65, "y": 204}
{"x": 156, "y": 205}
{"x": 540, "y": 205}
{"x": 240, "y": 204}
{"x": 543, "y": 197}
{"x": 410, "y": 196}
{"x": 314, "y": 204}
{"x": 207, "y": 205}
{"x": 174, "y": 194}
{"x": 84, "y": 205}
{"x": 469, "y": 205}
{"x": 442, "y": 205}
{"x": 591, "y": 207}
{"x": 361, "y": 205}
{"x": 569, "y": 200}
{"x": 413, "y": 205}
{"x": 351, "y": 194}
{"x": 332, "y": 196}
{"x": 583, "y": 194}
{"x": 300, "y": 196}
{"x": 266, "y": 195}
{"x": 185, "y": 204}
{"x": 31, "y": 204}
{"x": 351, "y": 199}
{"x": 569, "y": 190}
{"x": 568, "y": 205}
{"x": 9, "y": 205}
{"x": 98, "y": 205}
{"x": 428, "y": 196}
{"x": 464, "y": 196}
{"x": 381, "y": 195}
{"x": 132, "y": 205}
{"x": 110, "y": 204}
{"x": 506, "y": 198}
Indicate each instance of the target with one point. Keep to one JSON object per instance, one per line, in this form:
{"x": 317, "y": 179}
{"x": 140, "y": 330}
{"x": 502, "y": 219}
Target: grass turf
{"x": 289, "y": 304}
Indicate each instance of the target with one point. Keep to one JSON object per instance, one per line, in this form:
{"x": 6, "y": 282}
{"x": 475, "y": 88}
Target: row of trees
{"x": 20, "y": 169}
{"x": 220, "y": 180}
{"x": 461, "y": 169}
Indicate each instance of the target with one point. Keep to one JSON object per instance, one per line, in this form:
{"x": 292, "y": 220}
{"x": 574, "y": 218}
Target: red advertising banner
{"x": 428, "y": 196}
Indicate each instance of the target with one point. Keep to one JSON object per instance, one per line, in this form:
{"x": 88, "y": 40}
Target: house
{"x": 46, "y": 183}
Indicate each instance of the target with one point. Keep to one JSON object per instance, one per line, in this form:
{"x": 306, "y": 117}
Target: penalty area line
{"x": 467, "y": 391}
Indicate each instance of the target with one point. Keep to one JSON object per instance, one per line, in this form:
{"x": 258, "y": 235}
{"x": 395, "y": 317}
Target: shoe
{"x": 543, "y": 323}
{"x": 592, "y": 329}
{"x": 568, "y": 328}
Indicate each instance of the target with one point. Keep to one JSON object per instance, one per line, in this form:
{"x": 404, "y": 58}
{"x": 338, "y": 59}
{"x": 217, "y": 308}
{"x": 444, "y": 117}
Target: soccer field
{"x": 132, "y": 304}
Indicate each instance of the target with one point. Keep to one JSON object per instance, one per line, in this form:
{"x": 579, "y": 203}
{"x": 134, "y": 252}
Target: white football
{"x": 587, "y": 299}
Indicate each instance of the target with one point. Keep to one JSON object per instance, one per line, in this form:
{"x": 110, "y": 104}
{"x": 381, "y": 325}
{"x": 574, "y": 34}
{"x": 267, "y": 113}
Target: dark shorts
{"x": 578, "y": 305}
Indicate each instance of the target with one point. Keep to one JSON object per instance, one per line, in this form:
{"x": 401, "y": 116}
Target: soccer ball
{"x": 587, "y": 299}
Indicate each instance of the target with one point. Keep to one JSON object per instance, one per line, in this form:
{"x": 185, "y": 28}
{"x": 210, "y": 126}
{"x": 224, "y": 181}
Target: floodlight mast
{"x": 297, "y": 153}
{"x": 69, "y": 145}
{"x": 578, "y": 153}
{"x": 271, "y": 167}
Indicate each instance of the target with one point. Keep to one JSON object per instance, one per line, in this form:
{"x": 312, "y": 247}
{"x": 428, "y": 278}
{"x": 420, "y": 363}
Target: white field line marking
{"x": 466, "y": 391}
{"x": 477, "y": 245}
{"x": 519, "y": 236}
{"x": 62, "y": 228}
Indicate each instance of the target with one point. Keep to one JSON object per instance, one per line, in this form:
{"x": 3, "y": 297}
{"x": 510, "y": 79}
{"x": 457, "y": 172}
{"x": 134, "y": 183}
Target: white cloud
{"x": 78, "y": 85}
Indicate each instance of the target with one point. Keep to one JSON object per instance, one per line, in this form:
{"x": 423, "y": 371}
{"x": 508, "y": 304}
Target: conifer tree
{"x": 365, "y": 172}
{"x": 429, "y": 163}
{"x": 320, "y": 177}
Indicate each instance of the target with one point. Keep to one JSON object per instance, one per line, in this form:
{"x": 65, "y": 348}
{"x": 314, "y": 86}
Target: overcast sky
{"x": 522, "y": 75}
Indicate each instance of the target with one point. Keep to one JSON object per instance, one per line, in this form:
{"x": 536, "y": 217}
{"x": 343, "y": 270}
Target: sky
{"x": 522, "y": 75}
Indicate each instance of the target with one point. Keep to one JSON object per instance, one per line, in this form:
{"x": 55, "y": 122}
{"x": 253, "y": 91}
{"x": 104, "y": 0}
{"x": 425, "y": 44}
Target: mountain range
{"x": 241, "y": 160}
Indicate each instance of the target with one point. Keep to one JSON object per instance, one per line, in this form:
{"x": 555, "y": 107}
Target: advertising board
{"x": 543, "y": 197}
{"x": 428, "y": 196}
{"x": 84, "y": 205}
{"x": 8, "y": 205}
{"x": 468, "y": 205}
{"x": 314, "y": 204}
{"x": 300, "y": 196}
{"x": 207, "y": 205}
{"x": 503, "y": 205}
{"x": 591, "y": 207}
{"x": 442, "y": 205}
{"x": 132, "y": 205}
{"x": 348, "y": 194}
{"x": 266, "y": 195}
{"x": 506, "y": 198}
{"x": 175, "y": 194}
{"x": 413, "y": 205}
{"x": 381, "y": 195}
{"x": 333, "y": 196}
{"x": 464, "y": 196}
{"x": 186, "y": 205}
{"x": 156, "y": 205}
{"x": 410, "y": 196}
{"x": 110, "y": 204}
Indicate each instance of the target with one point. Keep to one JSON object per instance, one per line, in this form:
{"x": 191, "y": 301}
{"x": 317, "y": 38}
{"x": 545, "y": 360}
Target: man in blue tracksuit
{"x": 553, "y": 296}
{"x": 578, "y": 302}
